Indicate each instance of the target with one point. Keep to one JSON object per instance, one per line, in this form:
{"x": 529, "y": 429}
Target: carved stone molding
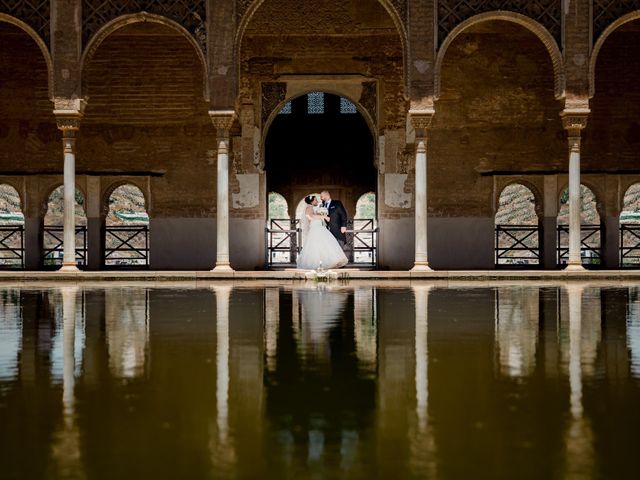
{"x": 369, "y": 99}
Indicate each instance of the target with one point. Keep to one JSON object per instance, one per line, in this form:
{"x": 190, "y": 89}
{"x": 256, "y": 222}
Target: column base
{"x": 575, "y": 267}
{"x": 69, "y": 267}
{"x": 421, "y": 267}
{"x": 224, "y": 267}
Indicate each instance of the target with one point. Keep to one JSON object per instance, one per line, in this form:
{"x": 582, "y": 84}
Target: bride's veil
{"x": 304, "y": 223}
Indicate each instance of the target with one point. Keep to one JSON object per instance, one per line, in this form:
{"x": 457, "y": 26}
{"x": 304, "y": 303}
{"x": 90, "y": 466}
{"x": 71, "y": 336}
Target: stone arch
{"x": 141, "y": 17}
{"x": 283, "y": 199}
{"x": 533, "y": 189}
{"x": 255, "y": 5}
{"x": 9, "y": 188}
{"x": 112, "y": 187}
{"x": 41, "y": 45}
{"x": 597, "y": 197}
{"x": 369, "y": 119}
{"x": 49, "y": 191}
{"x": 629, "y": 197}
{"x": 629, "y": 17}
{"x": 360, "y": 198}
{"x": 534, "y": 27}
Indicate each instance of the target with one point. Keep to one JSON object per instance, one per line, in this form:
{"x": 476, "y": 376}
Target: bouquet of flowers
{"x": 321, "y": 211}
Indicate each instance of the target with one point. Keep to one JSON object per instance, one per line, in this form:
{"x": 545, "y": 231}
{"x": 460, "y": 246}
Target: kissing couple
{"x": 324, "y": 228}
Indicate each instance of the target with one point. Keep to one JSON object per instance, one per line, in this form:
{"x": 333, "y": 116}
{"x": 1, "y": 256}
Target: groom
{"x": 337, "y": 217}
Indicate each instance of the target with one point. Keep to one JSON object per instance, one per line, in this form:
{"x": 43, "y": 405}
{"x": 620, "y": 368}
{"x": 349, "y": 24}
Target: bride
{"x": 321, "y": 249}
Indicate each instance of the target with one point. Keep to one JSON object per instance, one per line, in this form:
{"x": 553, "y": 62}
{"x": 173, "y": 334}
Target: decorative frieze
{"x": 191, "y": 14}
{"x": 605, "y": 12}
{"x": 35, "y": 13}
{"x": 273, "y": 94}
{"x": 453, "y": 12}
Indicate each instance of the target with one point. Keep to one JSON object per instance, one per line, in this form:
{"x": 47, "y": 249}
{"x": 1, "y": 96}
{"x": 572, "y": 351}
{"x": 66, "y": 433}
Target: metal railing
{"x": 284, "y": 240}
{"x": 630, "y": 245}
{"x": 12, "y": 246}
{"x": 127, "y": 246}
{"x": 517, "y": 245}
{"x": 590, "y": 245}
{"x": 53, "y": 240}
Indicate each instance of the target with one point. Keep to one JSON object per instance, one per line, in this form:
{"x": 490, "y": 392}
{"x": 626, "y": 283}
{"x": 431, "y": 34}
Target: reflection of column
{"x": 421, "y": 120}
{"x": 517, "y": 314}
{"x": 423, "y": 445}
{"x": 127, "y": 331}
{"x": 65, "y": 450}
{"x": 271, "y": 321}
{"x": 365, "y": 328}
{"x": 574, "y": 121}
{"x": 579, "y": 436}
{"x": 10, "y": 334}
{"x": 633, "y": 331}
{"x": 69, "y": 123}
{"x": 222, "y": 362}
{"x": 222, "y": 120}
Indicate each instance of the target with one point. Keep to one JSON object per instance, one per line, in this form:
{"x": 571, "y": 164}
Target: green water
{"x": 320, "y": 382}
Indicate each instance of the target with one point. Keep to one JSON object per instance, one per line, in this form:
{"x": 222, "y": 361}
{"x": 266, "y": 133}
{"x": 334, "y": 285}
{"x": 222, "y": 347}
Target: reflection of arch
{"x": 41, "y": 45}
{"x": 359, "y": 107}
{"x": 10, "y": 196}
{"x": 279, "y": 199}
{"x": 141, "y": 17}
{"x": 255, "y": 5}
{"x": 526, "y": 191}
{"x": 534, "y": 27}
{"x": 600, "y": 42}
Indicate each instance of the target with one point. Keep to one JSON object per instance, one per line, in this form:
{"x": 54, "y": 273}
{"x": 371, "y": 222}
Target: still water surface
{"x": 320, "y": 382}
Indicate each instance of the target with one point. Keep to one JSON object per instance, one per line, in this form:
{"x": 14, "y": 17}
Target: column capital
{"x": 222, "y": 120}
{"x": 574, "y": 120}
{"x": 421, "y": 118}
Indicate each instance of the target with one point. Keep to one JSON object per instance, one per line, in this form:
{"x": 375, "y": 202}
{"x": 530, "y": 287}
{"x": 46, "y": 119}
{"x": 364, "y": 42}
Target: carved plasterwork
{"x": 35, "y": 13}
{"x": 273, "y": 94}
{"x": 546, "y": 12}
{"x": 191, "y": 14}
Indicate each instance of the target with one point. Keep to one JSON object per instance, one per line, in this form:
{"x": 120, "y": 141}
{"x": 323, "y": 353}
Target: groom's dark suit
{"x": 337, "y": 220}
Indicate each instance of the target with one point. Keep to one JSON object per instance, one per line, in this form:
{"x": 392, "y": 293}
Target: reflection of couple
{"x": 324, "y": 230}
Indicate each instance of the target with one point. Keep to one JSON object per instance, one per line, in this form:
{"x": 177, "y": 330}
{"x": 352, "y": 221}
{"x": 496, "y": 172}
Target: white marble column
{"x": 421, "y": 119}
{"x": 222, "y": 120}
{"x": 69, "y": 122}
{"x": 574, "y": 121}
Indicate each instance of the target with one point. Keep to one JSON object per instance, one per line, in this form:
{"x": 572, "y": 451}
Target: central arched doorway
{"x": 319, "y": 141}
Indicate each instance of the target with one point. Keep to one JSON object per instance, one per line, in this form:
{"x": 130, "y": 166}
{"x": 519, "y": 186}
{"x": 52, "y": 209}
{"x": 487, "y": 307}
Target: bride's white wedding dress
{"x": 320, "y": 248}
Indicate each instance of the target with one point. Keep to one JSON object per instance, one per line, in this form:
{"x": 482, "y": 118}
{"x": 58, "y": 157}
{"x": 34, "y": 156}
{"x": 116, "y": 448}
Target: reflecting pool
{"x": 320, "y": 381}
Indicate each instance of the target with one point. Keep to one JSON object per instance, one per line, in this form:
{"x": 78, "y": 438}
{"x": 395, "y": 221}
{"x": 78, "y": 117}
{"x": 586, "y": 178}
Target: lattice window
{"x": 315, "y": 103}
{"x": 286, "y": 109}
{"x": 347, "y": 106}
{"x": 191, "y": 14}
{"x": 605, "y": 12}
{"x": 453, "y": 12}
{"x": 34, "y": 13}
